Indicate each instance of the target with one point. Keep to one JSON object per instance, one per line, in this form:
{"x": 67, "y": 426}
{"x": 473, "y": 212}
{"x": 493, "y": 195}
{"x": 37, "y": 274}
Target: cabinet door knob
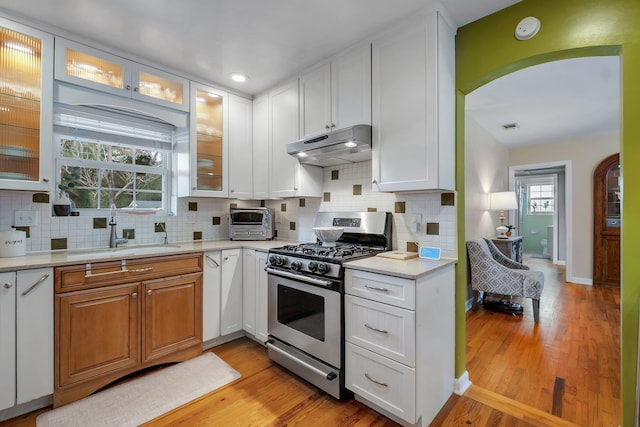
{"x": 375, "y": 181}
{"x": 333, "y": 125}
{"x": 327, "y": 127}
{"x": 134, "y": 295}
{"x": 45, "y": 179}
{"x": 128, "y": 87}
{"x": 135, "y": 89}
{"x": 7, "y": 285}
{"x": 149, "y": 292}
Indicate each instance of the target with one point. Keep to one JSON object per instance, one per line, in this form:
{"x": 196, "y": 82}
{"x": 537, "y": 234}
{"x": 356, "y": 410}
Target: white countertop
{"x": 81, "y": 256}
{"x": 408, "y": 269}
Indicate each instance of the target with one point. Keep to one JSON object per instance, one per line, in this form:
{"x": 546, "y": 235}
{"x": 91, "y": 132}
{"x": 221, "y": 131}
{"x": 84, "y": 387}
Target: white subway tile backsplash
{"x": 80, "y": 233}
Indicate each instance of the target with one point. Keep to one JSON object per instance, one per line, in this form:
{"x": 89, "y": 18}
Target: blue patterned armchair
{"x": 494, "y": 273}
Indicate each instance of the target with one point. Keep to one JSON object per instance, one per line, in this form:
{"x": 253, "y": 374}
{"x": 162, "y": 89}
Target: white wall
{"x": 486, "y": 171}
{"x": 585, "y": 153}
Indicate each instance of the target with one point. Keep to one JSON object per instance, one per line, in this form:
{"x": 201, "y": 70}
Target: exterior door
{"x": 607, "y": 222}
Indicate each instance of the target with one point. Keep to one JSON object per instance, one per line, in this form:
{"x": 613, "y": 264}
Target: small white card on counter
{"x": 427, "y": 252}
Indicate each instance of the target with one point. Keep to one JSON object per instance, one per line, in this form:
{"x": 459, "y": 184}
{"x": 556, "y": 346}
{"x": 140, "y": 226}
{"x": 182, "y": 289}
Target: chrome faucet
{"x": 164, "y": 228}
{"x": 114, "y": 240}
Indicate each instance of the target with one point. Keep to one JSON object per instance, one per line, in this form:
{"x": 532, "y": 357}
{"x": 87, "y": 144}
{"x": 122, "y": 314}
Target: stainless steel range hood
{"x": 348, "y": 145}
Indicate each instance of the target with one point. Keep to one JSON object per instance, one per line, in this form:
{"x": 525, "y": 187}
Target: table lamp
{"x": 502, "y": 200}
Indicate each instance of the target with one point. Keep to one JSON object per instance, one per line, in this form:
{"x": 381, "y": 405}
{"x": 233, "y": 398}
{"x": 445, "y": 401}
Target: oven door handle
{"x": 299, "y": 277}
{"x": 328, "y": 375}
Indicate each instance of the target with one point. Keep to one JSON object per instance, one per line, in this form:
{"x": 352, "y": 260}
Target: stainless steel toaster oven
{"x": 251, "y": 223}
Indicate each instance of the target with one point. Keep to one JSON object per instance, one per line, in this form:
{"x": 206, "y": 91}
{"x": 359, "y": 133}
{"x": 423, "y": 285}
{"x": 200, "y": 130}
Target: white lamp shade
{"x": 503, "y": 200}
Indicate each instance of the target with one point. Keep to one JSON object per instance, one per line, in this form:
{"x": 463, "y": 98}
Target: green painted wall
{"x": 487, "y": 49}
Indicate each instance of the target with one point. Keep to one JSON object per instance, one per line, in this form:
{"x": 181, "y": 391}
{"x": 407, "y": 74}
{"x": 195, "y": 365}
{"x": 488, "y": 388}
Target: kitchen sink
{"x": 120, "y": 251}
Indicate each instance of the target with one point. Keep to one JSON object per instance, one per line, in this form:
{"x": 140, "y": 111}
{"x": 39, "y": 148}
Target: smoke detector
{"x": 527, "y": 28}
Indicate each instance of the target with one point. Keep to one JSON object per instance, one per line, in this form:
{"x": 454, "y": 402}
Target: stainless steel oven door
{"x": 305, "y": 316}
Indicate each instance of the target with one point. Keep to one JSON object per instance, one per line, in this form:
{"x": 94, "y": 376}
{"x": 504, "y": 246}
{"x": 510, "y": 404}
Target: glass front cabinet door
{"x": 95, "y": 69}
{"x": 209, "y": 139}
{"x": 26, "y": 90}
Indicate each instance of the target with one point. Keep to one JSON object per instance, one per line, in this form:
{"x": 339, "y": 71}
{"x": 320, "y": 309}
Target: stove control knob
{"x": 276, "y": 260}
{"x": 296, "y": 265}
{"x": 312, "y": 266}
{"x": 322, "y": 268}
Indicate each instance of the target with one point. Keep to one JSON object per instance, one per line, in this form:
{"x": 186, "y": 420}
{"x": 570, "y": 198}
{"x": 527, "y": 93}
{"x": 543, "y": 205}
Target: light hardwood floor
{"x": 568, "y": 364}
{"x": 523, "y": 373}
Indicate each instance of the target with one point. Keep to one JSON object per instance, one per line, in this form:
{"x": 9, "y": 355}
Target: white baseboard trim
{"x": 580, "y": 280}
{"x": 462, "y": 384}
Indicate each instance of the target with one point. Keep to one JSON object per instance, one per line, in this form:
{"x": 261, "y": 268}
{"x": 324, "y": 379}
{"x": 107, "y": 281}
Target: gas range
{"x": 311, "y": 258}
{"x": 306, "y": 297}
{"x": 366, "y": 234}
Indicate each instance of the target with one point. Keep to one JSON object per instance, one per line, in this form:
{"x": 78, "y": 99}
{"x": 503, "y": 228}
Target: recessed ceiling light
{"x": 239, "y": 77}
{"x": 510, "y": 126}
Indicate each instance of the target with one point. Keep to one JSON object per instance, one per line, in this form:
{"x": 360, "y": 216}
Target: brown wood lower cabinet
{"x": 129, "y": 319}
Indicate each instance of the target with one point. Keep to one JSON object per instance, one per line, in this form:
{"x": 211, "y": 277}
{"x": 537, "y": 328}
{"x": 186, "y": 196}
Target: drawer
{"x": 106, "y": 273}
{"x": 383, "y": 382}
{"x": 381, "y": 328}
{"x": 378, "y": 287}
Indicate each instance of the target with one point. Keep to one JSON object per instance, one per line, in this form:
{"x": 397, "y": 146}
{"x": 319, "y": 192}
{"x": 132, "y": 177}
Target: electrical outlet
{"x": 26, "y": 218}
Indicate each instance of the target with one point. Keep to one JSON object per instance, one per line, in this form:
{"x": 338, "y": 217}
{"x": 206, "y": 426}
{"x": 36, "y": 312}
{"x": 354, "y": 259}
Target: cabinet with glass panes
{"x": 26, "y": 75}
{"x": 95, "y": 69}
{"x": 613, "y": 196}
{"x": 209, "y": 157}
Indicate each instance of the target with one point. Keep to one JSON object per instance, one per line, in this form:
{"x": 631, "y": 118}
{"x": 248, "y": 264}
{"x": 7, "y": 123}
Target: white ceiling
{"x": 554, "y": 101}
{"x": 270, "y": 40}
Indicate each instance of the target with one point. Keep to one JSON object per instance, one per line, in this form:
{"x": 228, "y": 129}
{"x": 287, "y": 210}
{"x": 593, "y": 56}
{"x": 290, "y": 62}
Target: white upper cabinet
{"x": 288, "y": 178}
{"x": 240, "y": 147}
{"x": 95, "y": 69}
{"x": 26, "y": 104}
{"x": 261, "y": 147}
{"x": 413, "y": 114}
{"x": 338, "y": 94}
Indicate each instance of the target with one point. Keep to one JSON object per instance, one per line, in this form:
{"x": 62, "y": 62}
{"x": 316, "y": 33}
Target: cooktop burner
{"x": 338, "y": 252}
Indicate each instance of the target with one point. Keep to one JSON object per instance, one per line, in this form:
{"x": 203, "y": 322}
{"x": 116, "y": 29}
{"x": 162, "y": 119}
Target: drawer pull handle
{"x": 105, "y": 273}
{"x": 140, "y": 270}
{"x": 382, "y": 331}
{"x": 380, "y": 383}
{"x": 375, "y": 288}
{"x": 213, "y": 261}
{"x": 35, "y": 285}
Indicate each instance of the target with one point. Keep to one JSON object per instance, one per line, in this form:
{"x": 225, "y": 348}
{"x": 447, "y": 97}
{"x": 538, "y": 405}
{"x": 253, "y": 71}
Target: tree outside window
{"x": 98, "y": 174}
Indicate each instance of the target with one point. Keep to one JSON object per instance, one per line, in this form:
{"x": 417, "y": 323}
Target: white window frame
{"x": 142, "y": 141}
{"x": 538, "y": 200}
